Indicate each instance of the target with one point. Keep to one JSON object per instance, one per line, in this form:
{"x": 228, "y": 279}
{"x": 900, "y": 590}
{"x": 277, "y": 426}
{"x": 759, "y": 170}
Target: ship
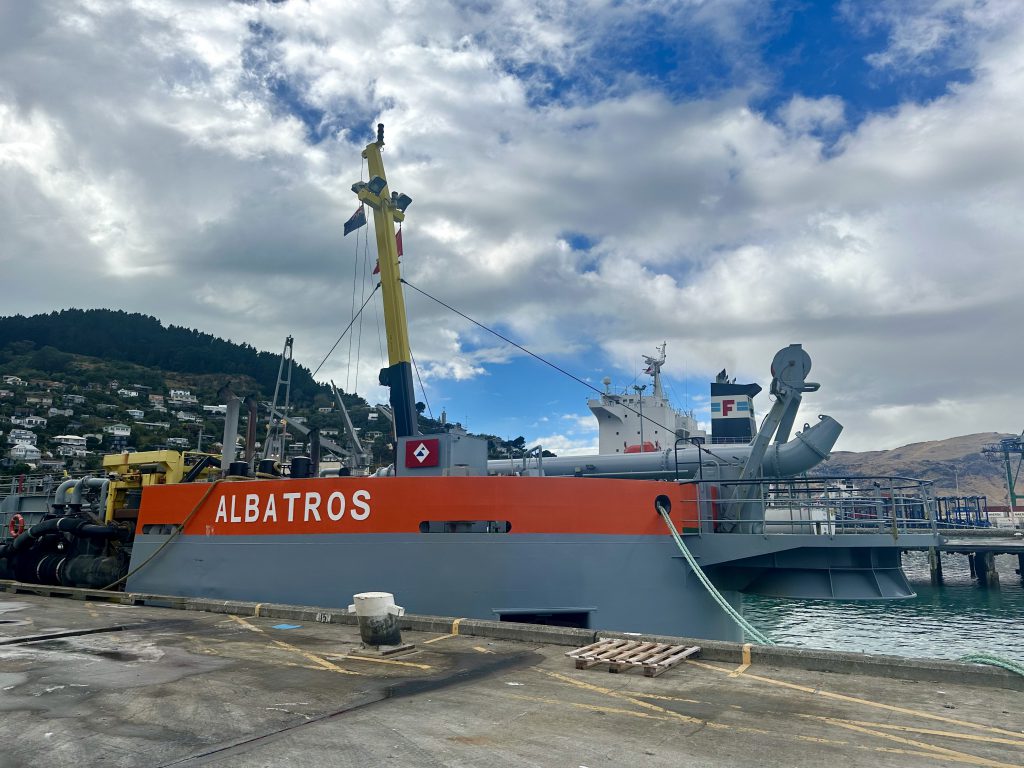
{"x": 637, "y": 422}
{"x": 654, "y": 540}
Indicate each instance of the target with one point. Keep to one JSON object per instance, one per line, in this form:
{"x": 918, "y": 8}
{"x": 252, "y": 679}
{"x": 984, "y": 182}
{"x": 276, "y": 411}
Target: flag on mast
{"x": 357, "y": 220}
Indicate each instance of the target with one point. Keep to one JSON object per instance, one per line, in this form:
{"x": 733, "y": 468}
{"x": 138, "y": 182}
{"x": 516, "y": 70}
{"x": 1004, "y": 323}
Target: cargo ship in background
{"x": 587, "y": 541}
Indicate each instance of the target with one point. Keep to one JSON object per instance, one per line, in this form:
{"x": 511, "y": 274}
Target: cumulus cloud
{"x": 194, "y": 162}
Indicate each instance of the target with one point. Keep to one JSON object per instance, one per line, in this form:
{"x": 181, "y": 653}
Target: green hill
{"x": 113, "y": 335}
{"x": 76, "y": 368}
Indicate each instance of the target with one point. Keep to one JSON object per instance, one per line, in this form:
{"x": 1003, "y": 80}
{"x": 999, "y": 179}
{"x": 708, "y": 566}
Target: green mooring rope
{"x": 753, "y": 633}
{"x": 995, "y": 661}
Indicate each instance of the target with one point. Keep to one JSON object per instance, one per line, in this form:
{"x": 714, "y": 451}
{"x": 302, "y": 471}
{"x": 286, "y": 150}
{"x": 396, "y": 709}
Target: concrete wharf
{"x": 126, "y": 679}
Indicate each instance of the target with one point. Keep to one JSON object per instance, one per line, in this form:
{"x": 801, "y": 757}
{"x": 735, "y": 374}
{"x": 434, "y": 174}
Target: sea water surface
{"x": 944, "y": 622}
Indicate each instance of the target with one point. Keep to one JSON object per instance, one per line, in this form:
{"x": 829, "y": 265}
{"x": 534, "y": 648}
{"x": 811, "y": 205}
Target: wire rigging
{"x": 535, "y": 356}
{"x": 359, "y": 334}
{"x": 355, "y": 272}
{"x": 347, "y": 327}
{"x": 423, "y": 390}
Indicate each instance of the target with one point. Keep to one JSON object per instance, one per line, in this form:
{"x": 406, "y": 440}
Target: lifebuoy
{"x": 17, "y": 525}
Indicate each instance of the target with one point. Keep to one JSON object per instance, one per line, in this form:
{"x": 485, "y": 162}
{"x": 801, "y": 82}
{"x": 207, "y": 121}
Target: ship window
{"x": 465, "y": 526}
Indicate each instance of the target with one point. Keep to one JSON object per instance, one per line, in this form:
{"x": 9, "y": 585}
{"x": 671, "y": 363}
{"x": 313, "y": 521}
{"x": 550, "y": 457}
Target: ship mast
{"x": 387, "y": 209}
{"x": 654, "y": 369}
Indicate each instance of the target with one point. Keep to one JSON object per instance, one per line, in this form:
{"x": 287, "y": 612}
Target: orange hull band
{"x": 351, "y": 505}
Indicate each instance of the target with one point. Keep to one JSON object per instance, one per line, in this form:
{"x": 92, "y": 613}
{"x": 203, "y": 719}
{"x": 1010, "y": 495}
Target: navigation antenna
{"x": 277, "y": 427}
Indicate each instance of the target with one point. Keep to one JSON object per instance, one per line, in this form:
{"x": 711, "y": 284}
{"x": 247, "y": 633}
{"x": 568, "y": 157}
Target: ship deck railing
{"x": 824, "y": 505}
{"x": 38, "y": 483}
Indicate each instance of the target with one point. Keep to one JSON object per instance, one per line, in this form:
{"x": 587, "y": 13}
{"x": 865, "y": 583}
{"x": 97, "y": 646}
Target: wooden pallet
{"x": 653, "y": 658}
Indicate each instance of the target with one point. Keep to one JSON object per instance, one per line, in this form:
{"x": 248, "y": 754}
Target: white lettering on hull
{"x": 254, "y": 508}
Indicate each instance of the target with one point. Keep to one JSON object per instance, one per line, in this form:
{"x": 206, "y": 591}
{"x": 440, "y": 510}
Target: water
{"x": 944, "y": 622}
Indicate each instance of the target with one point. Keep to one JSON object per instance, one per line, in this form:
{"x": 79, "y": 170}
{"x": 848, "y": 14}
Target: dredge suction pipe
{"x": 807, "y": 449}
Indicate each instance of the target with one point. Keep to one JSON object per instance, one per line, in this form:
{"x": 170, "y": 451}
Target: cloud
{"x": 195, "y": 163}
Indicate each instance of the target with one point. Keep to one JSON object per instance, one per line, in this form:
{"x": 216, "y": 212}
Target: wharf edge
{"x": 816, "y": 660}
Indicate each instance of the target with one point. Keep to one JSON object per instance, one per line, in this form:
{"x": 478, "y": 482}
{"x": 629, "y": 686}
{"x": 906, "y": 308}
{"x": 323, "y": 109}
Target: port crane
{"x": 1009, "y": 446}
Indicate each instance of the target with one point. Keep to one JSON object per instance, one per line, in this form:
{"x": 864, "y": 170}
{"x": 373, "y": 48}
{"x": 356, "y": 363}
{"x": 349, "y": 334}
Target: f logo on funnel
{"x": 422, "y": 453}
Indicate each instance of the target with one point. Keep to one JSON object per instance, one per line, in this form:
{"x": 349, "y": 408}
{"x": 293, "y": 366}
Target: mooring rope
{"x": 751, "y": 631}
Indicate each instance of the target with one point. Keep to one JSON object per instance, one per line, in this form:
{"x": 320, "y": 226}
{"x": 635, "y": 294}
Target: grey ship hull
{"x": 625, "y": 583}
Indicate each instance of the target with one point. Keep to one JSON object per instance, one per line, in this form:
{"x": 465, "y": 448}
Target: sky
{"x": 590, "y": 179}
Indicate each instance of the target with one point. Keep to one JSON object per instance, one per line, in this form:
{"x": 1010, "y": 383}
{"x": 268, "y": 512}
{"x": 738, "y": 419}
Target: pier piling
{"x": 935, "y": 565}
{"x": 985, "y": 565}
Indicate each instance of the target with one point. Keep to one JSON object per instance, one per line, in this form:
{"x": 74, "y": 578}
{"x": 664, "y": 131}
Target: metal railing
{"x": 817, "y": 505}
{"x": 37, "y": 482}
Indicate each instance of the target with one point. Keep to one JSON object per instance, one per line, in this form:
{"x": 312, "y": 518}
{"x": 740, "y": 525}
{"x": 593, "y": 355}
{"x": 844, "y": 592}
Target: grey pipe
{"x": 91, "y": 482}
{"x": 229, "y": 449}
{"x": 808, "y": 449}
{"x": 58, "y": 497}
{"x": 76, "y": 493}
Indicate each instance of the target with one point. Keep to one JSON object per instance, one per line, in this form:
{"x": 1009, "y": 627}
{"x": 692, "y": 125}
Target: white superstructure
{"x": 634, "y": 422}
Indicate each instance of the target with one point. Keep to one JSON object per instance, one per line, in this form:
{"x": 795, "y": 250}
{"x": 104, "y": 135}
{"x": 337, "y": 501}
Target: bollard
{"x": 377, "y": 615}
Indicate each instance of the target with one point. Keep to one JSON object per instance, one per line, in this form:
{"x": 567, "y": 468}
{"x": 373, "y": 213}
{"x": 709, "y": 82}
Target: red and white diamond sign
{"x": 422, "y": 453}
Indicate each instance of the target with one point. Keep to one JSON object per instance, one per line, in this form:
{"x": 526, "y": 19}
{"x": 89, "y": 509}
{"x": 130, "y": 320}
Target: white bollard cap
{"x": 375, "y": 604}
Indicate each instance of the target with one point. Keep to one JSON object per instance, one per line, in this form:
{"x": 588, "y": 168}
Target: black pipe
{"x": 92, "y": 571}
{"x": 75, "y": 526}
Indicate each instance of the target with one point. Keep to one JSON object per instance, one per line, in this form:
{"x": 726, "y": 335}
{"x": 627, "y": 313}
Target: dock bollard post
{"x": 377, "y": 616}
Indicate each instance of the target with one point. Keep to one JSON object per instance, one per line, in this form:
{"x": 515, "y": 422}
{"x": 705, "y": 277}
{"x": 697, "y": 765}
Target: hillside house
{"x": 6, "y": 393}
{"x": 14, "y": 381}
{"x": 153, "y": 424}
{"x": 70, "y": 452}
{"x": 216, "y": 410}
{"x": 23, "y": 452}
{"x": 73, "y": 441}
{"x": 186, "y": 416}
{"x": 136, "y": 414}
{"x": 178, "y": 442}
{"x": 159, "y": 408}
{"x": 128, "y": 394}
{"x": 60, "y": 412}
{"x": 32, "y": 422}
{"x": 39, "y": 400}
{"x": 73, "y": 399}
{"x": 118, "y": 430}
{"x": 181, "y": 397}
{"x": 156, "y": 399}
{"x": 324, "y": 409}
{"x": 21, "y": 437}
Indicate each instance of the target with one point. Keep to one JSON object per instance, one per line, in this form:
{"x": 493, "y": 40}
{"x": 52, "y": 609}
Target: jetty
{"x": 981, "y": 546}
